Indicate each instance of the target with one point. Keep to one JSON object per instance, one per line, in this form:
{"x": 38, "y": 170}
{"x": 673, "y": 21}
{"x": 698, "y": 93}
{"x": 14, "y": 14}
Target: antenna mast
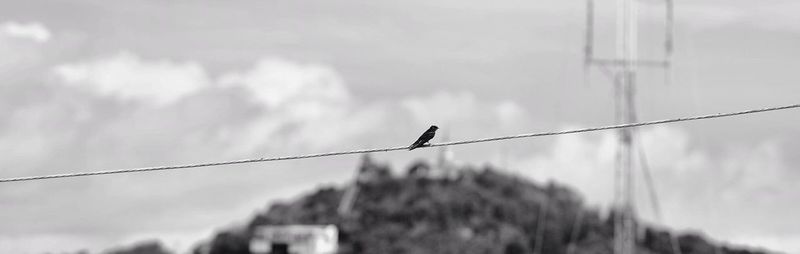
{"x": 622, "y": 69}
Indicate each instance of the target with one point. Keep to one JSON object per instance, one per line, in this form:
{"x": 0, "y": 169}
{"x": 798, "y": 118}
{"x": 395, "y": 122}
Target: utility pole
{"x": 627, "y": 46}
{"x": 623, "y": 70}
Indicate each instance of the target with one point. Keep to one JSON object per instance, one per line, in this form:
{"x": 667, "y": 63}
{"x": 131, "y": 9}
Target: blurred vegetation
{"x": 144, "y": 247}
{"x": 478, "y": 211}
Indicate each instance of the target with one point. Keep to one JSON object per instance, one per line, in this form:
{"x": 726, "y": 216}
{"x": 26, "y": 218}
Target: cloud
{"x": 294, "y": 100}
{"x": 465, "y": 110}
{"x": 41, "y": 243}
{"x": 708, "y": 16}
{"x": 32, "y": 31}
{"x": 776, "y": 15}
{"x": 298, "y": 91}
{"x": 23, "y": 51}
{"x": 281, "y": 107}
{"x": 584, "y": 161}
{"x": 86, "y": 121}
{"x": 731, "y": 194}
{"x": 277, "y": 82}
{"x": 780, "y": 16}
{"x": 308, "y": 104}
{"x": 128, "y": 76}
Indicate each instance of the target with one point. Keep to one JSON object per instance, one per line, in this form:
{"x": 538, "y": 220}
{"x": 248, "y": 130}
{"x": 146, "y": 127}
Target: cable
{"x": 654, "y": 201}
{"x": 317, "y": 155}
{"x": 648, "y": 178}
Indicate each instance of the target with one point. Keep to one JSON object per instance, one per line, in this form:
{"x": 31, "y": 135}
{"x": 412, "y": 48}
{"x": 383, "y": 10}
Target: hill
{"x": 477, "y": 211}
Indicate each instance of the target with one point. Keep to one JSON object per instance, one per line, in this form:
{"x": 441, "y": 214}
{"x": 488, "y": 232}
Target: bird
{"x": 426, "y": 136}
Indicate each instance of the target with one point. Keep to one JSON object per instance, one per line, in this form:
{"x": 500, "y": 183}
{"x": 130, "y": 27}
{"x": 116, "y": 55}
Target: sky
{"x": 94, "y": 85}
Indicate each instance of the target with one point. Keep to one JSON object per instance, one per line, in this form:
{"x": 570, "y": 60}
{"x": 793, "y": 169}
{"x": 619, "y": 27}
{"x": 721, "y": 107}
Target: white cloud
{"x": 294, "y": 98}
{"x": 128, "y": 76}
{"x": 42, "y": 243}
{"x": 442, "y": 107}
{"x": 583, "y": 161}
{"x": 779, "y": 15}
{"x": 19, "y": 56}
{"x": 33, "y": 31}
{"x": 465, "y": 110}
{"x": 510, "y": 113}
{"x": 311, "y": 109}
{"x": 306, "y": 105}
{"x": 196, "y": 120}
{"x": 732, "y": 194}
{"x": 704, "y": 15}
{"x": 278, "y": 82}
{"x": 302, "y": 90}
{"x": 280, "y": 107}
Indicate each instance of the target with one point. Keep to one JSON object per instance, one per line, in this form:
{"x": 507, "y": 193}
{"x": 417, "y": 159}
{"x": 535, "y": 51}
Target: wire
{"x": 654, "y": 201}
{"x": 317, "y": 155}
{"x": 648, "y": 177}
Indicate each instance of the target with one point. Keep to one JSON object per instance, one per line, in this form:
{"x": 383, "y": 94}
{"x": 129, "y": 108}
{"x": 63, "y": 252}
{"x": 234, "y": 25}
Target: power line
{"x": 464, "y": 142}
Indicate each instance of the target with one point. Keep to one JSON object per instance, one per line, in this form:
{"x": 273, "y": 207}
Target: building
{"x": 295, "y": 239}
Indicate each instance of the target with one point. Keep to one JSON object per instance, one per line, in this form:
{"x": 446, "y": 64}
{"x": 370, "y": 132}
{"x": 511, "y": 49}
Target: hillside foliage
{"x": 478, "y": 211}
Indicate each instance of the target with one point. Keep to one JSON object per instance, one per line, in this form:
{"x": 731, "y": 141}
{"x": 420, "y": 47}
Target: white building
{"x": 295, "y": 239}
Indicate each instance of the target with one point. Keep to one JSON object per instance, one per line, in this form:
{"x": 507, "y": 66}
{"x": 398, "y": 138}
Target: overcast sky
{"x": 89, "y": 85}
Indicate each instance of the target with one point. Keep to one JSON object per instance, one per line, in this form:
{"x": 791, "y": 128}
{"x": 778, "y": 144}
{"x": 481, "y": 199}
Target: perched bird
{"x": 426, "y": 136}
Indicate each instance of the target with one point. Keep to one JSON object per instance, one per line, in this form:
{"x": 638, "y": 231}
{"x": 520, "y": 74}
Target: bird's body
{"x": 426, "y": 136}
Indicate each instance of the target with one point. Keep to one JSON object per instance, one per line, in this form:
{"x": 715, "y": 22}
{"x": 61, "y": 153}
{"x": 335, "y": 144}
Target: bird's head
{"x": 434, "y": 127}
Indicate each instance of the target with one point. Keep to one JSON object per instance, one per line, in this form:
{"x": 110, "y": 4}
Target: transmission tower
{"x": 622, "y": 70}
